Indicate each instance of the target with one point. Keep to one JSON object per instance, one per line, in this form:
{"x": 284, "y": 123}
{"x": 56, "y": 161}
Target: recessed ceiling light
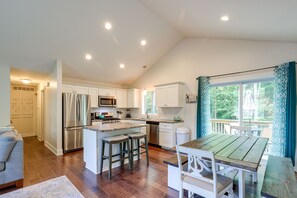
{"x": 88, "y": 57}
{"x": 26, "y": 81}
{"x": 143, "y": 42}
{"x": 122, "y": 66}
{"x": 108, "y": 26}
{"x": 225, "y": 18}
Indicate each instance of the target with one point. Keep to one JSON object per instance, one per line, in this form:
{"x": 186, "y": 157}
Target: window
{"x": 149, "y": 106}
{"x": 242, "y": 108}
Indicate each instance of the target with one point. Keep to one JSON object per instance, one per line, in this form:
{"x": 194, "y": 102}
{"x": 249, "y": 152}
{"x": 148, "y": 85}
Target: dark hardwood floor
{"x": 41, "y": 164}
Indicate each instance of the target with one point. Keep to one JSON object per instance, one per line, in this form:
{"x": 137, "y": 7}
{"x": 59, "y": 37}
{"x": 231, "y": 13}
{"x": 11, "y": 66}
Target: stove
{"x": 110, "y": 120}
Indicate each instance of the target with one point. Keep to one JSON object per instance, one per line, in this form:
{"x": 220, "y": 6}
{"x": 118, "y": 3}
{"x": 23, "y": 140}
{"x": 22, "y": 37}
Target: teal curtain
{"x": 203, "y": 107}
{"x": 284, "y": 122}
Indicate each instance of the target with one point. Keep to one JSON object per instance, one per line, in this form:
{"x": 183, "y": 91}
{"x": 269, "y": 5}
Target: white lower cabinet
{"x": 167, "y": 134}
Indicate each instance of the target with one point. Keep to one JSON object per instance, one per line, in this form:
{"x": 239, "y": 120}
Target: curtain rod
{"x": 241, "y": 72}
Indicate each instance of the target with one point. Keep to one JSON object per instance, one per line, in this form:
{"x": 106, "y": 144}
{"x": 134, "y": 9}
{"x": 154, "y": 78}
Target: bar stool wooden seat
{"x": 137, "y": 137}
{"x": 121, "y": 140}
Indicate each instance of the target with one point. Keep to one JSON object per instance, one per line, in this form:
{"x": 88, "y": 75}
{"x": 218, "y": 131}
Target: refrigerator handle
{"x": 73, "y": 128}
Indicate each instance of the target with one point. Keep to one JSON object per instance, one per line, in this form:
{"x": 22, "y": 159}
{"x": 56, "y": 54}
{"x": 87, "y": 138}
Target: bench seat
{"x": 279, "y": 179}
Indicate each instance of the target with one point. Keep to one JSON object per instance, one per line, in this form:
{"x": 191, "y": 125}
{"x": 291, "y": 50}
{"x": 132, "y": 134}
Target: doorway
{"x": 23, "y": 107}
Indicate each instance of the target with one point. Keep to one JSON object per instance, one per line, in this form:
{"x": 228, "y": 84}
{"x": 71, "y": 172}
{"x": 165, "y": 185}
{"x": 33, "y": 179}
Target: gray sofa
{"x": 11, "y": 159}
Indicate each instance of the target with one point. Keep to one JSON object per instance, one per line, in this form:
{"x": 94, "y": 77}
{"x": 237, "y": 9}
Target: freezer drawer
{"x": 72, "y": 139}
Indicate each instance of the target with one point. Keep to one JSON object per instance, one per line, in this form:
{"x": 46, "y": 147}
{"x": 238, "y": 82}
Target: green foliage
{"x": 149, "y": 106}
{"x": 224, "y": 101}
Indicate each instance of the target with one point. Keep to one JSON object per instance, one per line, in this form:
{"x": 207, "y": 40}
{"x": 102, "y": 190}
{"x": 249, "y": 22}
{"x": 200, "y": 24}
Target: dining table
{"x": 233, "y": 152}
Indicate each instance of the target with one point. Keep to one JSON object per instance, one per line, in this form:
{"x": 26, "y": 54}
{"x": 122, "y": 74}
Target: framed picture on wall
{"x": 191, "y": 98}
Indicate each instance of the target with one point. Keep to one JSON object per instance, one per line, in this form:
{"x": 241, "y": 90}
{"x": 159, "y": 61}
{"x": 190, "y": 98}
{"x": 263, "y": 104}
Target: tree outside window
{"x": 149, "y": 106}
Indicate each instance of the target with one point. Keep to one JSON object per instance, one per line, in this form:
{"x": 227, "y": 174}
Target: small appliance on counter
{"x": 93, "y": 116}
{"x": 128, "y": 115}
{"x": 119, "y": 114}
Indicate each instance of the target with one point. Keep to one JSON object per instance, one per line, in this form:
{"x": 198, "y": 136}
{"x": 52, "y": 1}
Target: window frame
{"x": 240, "y": 84}
{"x": 144, "y": 92}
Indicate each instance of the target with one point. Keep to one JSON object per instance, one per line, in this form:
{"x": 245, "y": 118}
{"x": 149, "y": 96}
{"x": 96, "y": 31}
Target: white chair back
{"x": 198, "y": 161}
{"x": 241, "y": 130}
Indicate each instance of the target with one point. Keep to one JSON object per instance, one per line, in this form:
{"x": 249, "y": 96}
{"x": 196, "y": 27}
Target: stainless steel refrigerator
{"x": 76, "y": 111}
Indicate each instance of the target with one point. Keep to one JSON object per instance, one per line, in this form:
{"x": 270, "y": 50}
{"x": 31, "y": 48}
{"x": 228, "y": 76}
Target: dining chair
{"x": 199, "y": 178}
{"x": 241, "y": 130}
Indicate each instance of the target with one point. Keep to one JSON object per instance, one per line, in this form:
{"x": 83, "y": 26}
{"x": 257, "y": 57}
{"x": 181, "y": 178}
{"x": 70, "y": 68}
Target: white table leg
{"x": 255, "y": 177}
{"x": 241, "y": 183}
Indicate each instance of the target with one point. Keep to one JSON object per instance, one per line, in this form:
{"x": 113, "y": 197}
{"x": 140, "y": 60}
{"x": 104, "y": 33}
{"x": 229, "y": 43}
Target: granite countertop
{"x": 144, "y": 119}
{"x": 114, "y": 126}
{"x": 154, "y": 120}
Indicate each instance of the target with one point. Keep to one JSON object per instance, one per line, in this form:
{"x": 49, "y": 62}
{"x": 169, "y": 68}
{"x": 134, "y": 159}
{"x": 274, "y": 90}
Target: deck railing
{"x": 221, "y": 125}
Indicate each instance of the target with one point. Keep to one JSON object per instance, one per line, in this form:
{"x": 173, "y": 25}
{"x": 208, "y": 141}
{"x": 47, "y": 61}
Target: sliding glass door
{"x": 244, "y": 108}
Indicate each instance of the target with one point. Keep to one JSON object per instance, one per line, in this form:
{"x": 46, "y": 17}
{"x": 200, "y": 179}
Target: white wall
{"x": 5, "y": 95}
{"x": 53, "y": 110}
{"x": 197, "y": 57}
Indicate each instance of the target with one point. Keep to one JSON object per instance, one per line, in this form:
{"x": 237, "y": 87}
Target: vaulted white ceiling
{"x": 265, "y": 20}
{"x": 34, "y": 33}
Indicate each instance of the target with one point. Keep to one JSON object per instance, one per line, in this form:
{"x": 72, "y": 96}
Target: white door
{"x": 23, "y": 109}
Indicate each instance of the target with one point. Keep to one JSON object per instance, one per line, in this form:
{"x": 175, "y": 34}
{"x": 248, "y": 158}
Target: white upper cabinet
{"x": 121, "y": 96}
{"x": 93, "y": 92}
{"x": 133, "y": 98}
{"x": 170, "y": 95}
{"x": 75, "y": 89}
{"x": 67, "y": 88}
{"x": 107, "y": 92}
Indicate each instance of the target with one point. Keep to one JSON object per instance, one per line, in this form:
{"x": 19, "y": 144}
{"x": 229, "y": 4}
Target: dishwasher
{"x": 153, "y": 132}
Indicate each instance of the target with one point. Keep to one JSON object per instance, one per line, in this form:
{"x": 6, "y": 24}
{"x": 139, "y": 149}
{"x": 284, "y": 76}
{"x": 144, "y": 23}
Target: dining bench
{"x": 279, "y": 178}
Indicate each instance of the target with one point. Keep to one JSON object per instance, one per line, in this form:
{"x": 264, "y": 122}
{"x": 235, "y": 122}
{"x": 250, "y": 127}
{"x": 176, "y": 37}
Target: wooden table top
{"x": 243, "y": 152}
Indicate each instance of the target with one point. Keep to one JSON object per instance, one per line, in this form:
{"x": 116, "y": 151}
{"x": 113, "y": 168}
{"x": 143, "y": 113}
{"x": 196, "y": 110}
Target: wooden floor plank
{"x": 243, "y": 149}
{"x": 144, "y": 181}
{"x": 256, "y": 152}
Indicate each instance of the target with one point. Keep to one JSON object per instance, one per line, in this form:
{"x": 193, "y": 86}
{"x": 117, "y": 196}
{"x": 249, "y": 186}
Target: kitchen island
{"x": 92, "y": 139}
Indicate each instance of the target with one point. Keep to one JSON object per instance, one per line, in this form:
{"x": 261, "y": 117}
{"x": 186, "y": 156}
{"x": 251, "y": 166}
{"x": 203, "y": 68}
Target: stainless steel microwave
{"x": 107, "y": 101}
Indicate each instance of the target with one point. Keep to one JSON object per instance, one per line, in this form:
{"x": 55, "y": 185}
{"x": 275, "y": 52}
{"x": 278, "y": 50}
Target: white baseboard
{"x": 28, "y": 134}
{"x": 38, "y": 138}
{"x": 53, "y": 149}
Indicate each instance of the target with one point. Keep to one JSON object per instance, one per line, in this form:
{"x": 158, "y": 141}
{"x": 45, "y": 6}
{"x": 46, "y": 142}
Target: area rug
{"x": 53, "y": 188}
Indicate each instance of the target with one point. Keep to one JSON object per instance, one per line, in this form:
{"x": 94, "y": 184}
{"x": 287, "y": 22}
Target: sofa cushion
{"x": 2, "y": 166}
{"x": 7, "y": 138}
{"x": 6, "y": 148}
{"x": 5, "y": 129}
